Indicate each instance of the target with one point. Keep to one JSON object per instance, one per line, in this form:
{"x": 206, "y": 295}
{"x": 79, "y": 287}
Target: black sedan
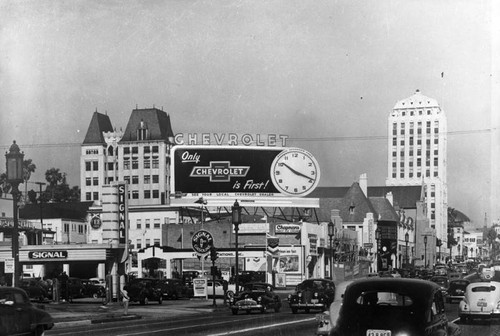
{"x": 393, "y": 306}
{"x": 456, "y": 290}
{"x": 18, "y": 316}
{"x": 143, "y": 290}
{"x": 312, "y": 294}
{"x": 256, "y": 296}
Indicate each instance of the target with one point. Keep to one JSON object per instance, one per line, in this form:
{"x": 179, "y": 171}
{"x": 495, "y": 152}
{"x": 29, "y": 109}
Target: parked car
{"x": 143, "y": 290}
{"x": 93, "y": 289}
{"x": 256, "y": 296}
{"x": 312, "y": 294}
{"x": 75, "y": 288}
{"x": 19, "y": 316}
{"x": 456, "y": 290}
{"x": 219, "y": 289}
{"x": 36, "y": 289}
{"x": 393, "y": 306}
{"x": 328, "y": 318}
{"x": 173, "y": 288}
{"x": 481, "y": 300}
{"x": 442, "y": 281}
{"x": 98, "y": 281}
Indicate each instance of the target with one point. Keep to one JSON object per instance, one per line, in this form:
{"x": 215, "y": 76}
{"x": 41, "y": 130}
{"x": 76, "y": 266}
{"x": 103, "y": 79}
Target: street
{"x": 222, "y": 322}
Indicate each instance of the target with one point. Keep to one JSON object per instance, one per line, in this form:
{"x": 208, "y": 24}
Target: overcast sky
{"x": 326, "y": 73}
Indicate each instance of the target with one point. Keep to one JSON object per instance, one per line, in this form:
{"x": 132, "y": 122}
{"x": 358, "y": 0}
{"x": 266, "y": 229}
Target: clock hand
{"x": 297, "y": 172}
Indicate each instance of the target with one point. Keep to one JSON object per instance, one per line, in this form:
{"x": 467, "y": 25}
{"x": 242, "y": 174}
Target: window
{"x": 156, "y": 242}
{"x": 138, "y": 223}
{"x": 126, "y": 164}
{"x": 147, "y": 179}
{"x": 96, "y": 196}
{"x": 135, "y": 194}
{"x": 147, "y": 149}
{"x": 394, "y": 141}
{"x": 95, "y": 181}
{"x": 156, "y": 178}
{"x": 147, "y": 163}
{"x": 127, "y": 179}
{"x": 156, "y": 194}
{"x": 88, "y": 196}
{"x": 402, "y": 142}
{"x": 135, "y": 179}
{"x": 155, "y": 149}
{"x": 147, "y": 194}
{"x": 135, "y": 150}
{"x": 138, "y": 244}
{"x": 135, "y": 164}
{"x": 88, "y": 181}
{"x": 147, "y": 224}
{"x": 148, "y": 242}
{"x": 95, "y": 165}
{"x": 156, "y": 223}
{"x": 111, "y": 166}
{"x": 126, "y": 150}
{"x": 156, "y": 163}
{"x": 66, "y": 227}
{"x": 411, "y": 141}
{"x": 88, "y": 166}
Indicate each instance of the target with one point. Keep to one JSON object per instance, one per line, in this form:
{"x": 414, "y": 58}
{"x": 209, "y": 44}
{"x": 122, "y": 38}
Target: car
{"x": 219, "y": 289}
{"x": 393, "y": 306}
{"x": 443, "y": 282}
{"x": 143, "y": 290}
{"x": 481, "y": 300}
{"x": 173, "y": 288}
{"x": 456, "y": 290}
{"x": 93, "y": 289}
{"x": 19, "y": 316}
{"x": 327, "y": 319}
{"x": 256, "y": 296}
{"x": 312, "y": 294}
{"x": 36, "y": 289}
{"x": 98, "y": 281}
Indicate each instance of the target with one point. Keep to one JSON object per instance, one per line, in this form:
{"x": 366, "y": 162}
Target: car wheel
{"x": 294, "y": 310}
{"x": 39, "y": 331}
{"x": 95, "y": 296}
{"x": 229, "y": 294}
{"x": 235, "y": 311}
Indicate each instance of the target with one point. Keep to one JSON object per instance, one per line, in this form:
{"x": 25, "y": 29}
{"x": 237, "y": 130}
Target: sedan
{"x": 456, "y": 290}
{"x": 312, "y": 294}
{"x": 19, "y": 316}
{"x": 256, "y": 296}
{"x": 393, "y": 306}
{"x": 481, "y": 300}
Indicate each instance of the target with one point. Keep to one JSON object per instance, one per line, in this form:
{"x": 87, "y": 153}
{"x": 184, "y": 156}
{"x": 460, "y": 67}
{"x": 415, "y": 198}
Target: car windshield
{"x": 311, "y": 285}
{"x": 373, "y": 298}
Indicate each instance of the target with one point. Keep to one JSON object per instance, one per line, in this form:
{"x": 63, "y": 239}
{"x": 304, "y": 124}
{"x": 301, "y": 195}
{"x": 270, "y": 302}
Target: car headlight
{"x": 299, "y": 295}
{"x": 259, "y": 299}
{"x": 316, "y": 294}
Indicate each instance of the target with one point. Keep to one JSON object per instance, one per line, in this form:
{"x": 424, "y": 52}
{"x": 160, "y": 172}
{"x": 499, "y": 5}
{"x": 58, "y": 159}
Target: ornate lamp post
{"x": 14, "y": 160}
{"x": 236, "y": 212}
{"x": 377, "y": 238}
{"x": 407, "y": 238}
{"x": 425, "y": 251}
{"x": 331, "y": 233}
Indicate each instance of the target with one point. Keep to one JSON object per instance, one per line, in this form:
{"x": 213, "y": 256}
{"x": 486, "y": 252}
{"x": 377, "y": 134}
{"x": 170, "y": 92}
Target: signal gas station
{"x": 242, "y": 178}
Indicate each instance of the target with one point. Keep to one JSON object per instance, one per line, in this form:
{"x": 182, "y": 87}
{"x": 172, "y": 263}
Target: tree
{"x": 53, "y": 176}
{"x": 28, "y": 168}
{"x": 4, "y": 185}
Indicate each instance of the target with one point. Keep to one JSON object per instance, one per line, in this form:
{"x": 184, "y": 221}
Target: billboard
{"x": 264, "y": 176}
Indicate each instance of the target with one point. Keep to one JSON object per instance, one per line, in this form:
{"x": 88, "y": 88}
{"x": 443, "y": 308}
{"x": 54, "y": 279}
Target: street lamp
{"x": 425, "y": 251}
{"x": 331, "y": 233}
{"x": 14, "y": 160}
{"x": 407, "y": 238}
{"x": 236, "y": 213}
{"x": 377, "y": 238}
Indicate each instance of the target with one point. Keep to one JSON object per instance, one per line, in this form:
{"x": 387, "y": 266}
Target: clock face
{"x": 295, "y": 172}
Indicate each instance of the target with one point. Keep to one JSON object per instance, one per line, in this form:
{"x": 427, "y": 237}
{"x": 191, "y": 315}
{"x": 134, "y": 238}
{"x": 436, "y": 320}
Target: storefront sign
{"x": 48, "y": 255}
{"x": 9, "y": 265}
{"x": 202, "y": 241}
{"x": 231, "y": 139}
{"x": 200, "y": 287}
{"x": 122, "y": 212}
{"x": 287, "y": 229}
{"x": 95, "y": 222}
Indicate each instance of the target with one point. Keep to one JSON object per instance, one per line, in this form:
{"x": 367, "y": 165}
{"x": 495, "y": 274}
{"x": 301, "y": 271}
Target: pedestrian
{"x": 125, "y": 299}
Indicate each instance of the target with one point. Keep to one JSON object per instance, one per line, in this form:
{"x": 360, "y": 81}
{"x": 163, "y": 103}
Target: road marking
{"x": 263, "y": 327}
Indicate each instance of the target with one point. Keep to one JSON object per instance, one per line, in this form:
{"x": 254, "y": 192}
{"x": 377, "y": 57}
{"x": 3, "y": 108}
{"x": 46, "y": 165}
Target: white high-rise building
{"x": 417, "y": 143}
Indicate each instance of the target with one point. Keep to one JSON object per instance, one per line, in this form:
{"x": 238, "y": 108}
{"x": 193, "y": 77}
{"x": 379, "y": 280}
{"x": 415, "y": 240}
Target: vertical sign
{"x": 122, "y": 213}
{"x": 9, "y": 265}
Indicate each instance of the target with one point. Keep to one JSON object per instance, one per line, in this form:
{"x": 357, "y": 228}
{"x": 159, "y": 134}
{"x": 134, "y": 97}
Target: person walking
{"x": 125, "y": 299}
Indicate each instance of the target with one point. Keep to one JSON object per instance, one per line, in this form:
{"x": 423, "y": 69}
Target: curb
{"x": 99, "y": 320}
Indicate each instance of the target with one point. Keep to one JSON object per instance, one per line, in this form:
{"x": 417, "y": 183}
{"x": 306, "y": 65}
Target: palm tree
{"x": 4, "y": 185}
{"x": 28, "y": 168}
{"x": 53, "y": 176}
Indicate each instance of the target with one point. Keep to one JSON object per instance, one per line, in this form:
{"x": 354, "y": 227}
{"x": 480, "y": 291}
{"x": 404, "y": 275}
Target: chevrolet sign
{"x": 48, "y": 254}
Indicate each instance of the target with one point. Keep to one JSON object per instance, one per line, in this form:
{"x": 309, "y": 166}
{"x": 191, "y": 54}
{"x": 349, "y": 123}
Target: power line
{"x": 320, "y": 139}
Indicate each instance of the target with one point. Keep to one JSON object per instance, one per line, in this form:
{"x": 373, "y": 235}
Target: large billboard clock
{"x": 295, "y": 172}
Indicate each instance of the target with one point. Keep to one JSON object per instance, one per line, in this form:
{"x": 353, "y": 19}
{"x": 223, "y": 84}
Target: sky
{"x": 325, "y": 73}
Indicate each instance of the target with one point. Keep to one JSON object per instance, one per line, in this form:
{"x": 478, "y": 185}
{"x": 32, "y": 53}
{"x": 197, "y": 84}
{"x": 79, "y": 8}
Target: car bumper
{"x": 308, "y": 305}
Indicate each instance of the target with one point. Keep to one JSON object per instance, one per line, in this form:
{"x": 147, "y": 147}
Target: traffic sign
{"x": 202, "y": 241}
